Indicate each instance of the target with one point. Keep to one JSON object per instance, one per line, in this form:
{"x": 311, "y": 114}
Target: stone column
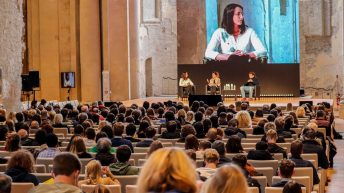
{"x": 11, "y": 52}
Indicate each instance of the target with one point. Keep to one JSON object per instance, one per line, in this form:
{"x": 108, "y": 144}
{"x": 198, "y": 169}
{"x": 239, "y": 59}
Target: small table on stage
{"x": 229, "y": 94}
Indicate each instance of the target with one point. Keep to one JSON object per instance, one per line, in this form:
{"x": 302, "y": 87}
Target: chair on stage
{"x": 256, "y": 92}
{"x": 213, "y": 90}
{"x": 184, "y": 92}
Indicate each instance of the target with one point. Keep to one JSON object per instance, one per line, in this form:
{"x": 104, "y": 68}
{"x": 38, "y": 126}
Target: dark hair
{"x": 233, "y": 123}
{"x": 292, "y": 187}
{"x": 227, "y": 19}
{"x": 262, "y": 122}
{"x": 259, "y": 112}
{"x": 309, "y": 133}
{"x": 108, "y": 130}
{"x": 5, "y": 183}
{"x": 150, "y": 132}
{"x": 271, "y": 118}
{"x": 286, "y": 168}
{"x": 296, "y": 149}
{"x": 123, "y": 153}
{"x": 198, "y": 116}
{"x": 191, "y": 142}
{"x": 145, "y": 105}
{"x": 199, "y": 129}
{"x": 206, "y": 125}
{"x": 171, "y": 126}
{"x": 130, "y": 129}
{"x": 3, "y": 132}
{"x": 234, "y": 145}
{"x": 79, "y": 129}
{"x": 65, "y": 164}
{"x": 13, "y": 142}
{"x": 90, "y": 133}
{"x": 20, "y": 117}
{"x": 240, "y": 160}
{"x": 204, "y": 145}
{"x": 214, "y": 121}
{"x": 101, "y": 134}
{"x": 261, "y": 145}
{"x": 219, "y": 146}
{"x": 169, "y": 116}
{"x": 41, "y": 137}
{"x": 186, "y": 130}
{"x": 320, "y": 114}
{"x": 22, "y": 159}
{"x": 52, "y": 140}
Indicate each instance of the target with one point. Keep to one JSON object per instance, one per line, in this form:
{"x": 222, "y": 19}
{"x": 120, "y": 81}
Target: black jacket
{"x": 117, "y": 141}
{"x": 170, "y": 135}
{"x": 144, "y": 143}
{"x": 258, "y": 131}
{"x": 235, "y": 131}
{"x": 223, "y": 161}
{"x": 259, "y": 155}
{"x": 311, "y": 146}
{"x": 132, "y": 139}
{"x": 105, "y": 159}
{"x": 274, "y": 148}
{"x": 299, "y": 162}
{"x": 20, "y": 175}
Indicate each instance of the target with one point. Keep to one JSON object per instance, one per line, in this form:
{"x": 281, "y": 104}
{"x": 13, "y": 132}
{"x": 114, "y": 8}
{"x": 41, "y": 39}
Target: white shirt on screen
{"x": 223, "y": 43}
{"x": 185, "y": 83}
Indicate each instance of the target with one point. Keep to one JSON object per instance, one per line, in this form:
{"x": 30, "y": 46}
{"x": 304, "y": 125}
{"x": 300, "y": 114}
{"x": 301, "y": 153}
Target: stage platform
{"x": 280, "y": 101}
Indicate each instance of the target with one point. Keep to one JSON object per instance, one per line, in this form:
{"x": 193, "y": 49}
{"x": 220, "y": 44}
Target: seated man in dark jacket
{"x": 271, "y": 137}
{"x": 310, "y": 145}
{"x": 234, "y": 130}
{"x": 150, "y": 133}
{"x": 219, "y": 146}
{"x": 279, "y": 122}
{"x": 122, "y": 167}
{"x": 118, "y": 140}
{"x": 261, "y": 152}
{"x": 130, "y": 130}
{"x": 285, "y": 171}
{"x": 296, "y": 150}
{"x": 259, "y": 130}
{"x": 171, "y": 133}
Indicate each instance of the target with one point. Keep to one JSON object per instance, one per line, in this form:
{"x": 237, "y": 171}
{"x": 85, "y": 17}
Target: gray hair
{"x": 5, "y": 183}
{"x": 103, "y": 145}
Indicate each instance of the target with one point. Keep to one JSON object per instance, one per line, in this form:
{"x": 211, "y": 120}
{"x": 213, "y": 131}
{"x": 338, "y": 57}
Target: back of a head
{"x": 5, "y": 183}
{"x": 204, "y": 145}
{"x": 155, "y": 145}
{"x": 262, "y": 122}
{"x": 233, "y": 123}
{"x": 187, "y": 130}
{"x": 308, "y": 133}
{"x": 271, "y": 118}
{"x": 286, "y": 168}
{"x": 296, "y": 148}
{"x": 211, "y": 156}
{"x": 65, "y": 164}
{"x": 123, "y": 153}
{"x": 219, "y": 146}
{"x": 103, "y": 145}
{"x": 191, "y": 142}
{"x": 261, "y": 145}
{"x": 90, "y": 133}
{"x": 240, "y": 160}
{"x": 171, "y": 126}
{"x": 118, "y": 129}
{"x": 212, "y": 134}
{"x": 22, "y": 159}
{"x": 150, "y": 132}
{"x": 52, "y": 140}
{"x": 228, "y": 179}
{"x": 167, "y": 169}
{"x": 279, "y": 122}
{"x": 269, "y": 126}
{"x": 292, "y": 187}
{"x": 233, "y": 144}
{"x": 271, "y": 135}
{"x": 320, "y": 114}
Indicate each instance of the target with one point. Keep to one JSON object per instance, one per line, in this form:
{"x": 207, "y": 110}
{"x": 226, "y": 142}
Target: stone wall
{"x": 11, "y": 52}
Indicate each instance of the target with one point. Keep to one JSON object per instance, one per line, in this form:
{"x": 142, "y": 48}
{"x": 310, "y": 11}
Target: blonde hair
{"x": 93, "y": 172}
{"x": 58, "y": 119}
{"x": 271, "y": 134}
{"x": 211, "y": 156}
{"x": 11, "y": 116}
{"x": 77, "y": 145}
{"x": 227, "y": 179}
{"x": 300, "y": 112}
{"x": 167, "y": 169}
{"x": 313, "y": 125}
{"x": 190, "y": 116}
{"x": 181, "y": 113}
{"x": 244, "y": 119}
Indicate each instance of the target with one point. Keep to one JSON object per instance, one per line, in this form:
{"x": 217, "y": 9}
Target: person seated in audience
{"x": 186, "y": 85}
{"x": 300, "y": 112}
{"x": 191, "y": 142}
{"x": 141, "y": 133}
{"x": 288, "y": 124}
{"x": 20, "y": 167}
{"x": 285, "y": 171}
{"x": 233, "y": 145}
{"x": 104, "y": 154}
{"x": 108, "y": 130}
{"x": 257, "y": 116}
{"x": 203, "y": 145}
{"x": 189, "y": 117}
{"x": 3, "y": 132}
{"x": 12, "y": 143}
{"x": 322, "y": 122}
{"x": 52, "y": 150}
{"x": 25, "y": 140}
{"x": 170, "y": 132}
{"x": 34, "y": 126}
{"x": 99, "y": 136}
{"x": 267, "y": 127}
{"x": 214, "y": 84}
{"x": 20, "y": 121}
{"x": 244, "y": 119}
{"x": 319, "y": 135}
{"x": 296, "y": 150}
{"x": 310, "y": 145}
{"x": 271, "y": 118}
{"x": 5, "y": 183}
{"x": 89, "y": 140}
{"x": 233, "y": 129}
{"x": 78, "y": 147}
{"x": 117, "y": 140}
{"x": 279, "y": 122}
{"x": 212, "y": 135}
{"x": 271, "y": 137}
{"x": 122, "y": 166}
{"x": 136, "y": 114}
{"x": 292, "y": 187}
{"x": 130, "y": 131}
{"x": 168, "y": 170}
{"x": 186, "y": 130}
{"x": 260, "y": 153}
{"x": 211, "y": 159}
{"x": 248, "y": 170}
{"x": 58, "y": 122}
{"x": 155, "y": 145}
{"x": 150, "y": 133}
{"x": 219, "y": 146}
{"x": 199, "y": 129}
{"x": 259, "y": 130}
{"x": 223, "y": 118}
{"x": 66, "y": 170}
{"x": 95, "y": 175}
{"x": 223, "y": 181}
{"x": 40, "y": 138}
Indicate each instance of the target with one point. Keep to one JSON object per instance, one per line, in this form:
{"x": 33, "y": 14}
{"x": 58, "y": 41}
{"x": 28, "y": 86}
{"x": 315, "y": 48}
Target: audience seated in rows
{"x": 52, "y": 150}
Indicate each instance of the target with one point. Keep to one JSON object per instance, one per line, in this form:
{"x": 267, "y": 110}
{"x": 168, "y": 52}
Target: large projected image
{"x": 273, "y": 25}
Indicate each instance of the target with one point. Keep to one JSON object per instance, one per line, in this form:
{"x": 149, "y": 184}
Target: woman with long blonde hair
{"x": 94, "y": 175}
{"x": 300, "y": 112}
{"x": 167, "y": 170}
{"x": 227, "y": 179}
{"x": 244, "y": 119}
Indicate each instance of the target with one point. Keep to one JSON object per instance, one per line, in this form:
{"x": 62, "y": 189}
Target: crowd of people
{"x": 209, "y": 133}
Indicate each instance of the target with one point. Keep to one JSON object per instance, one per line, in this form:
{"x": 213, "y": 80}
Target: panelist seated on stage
{"x": 234, "y": 38}
{"x": 186, "y": 86}
{"x": 214, "y": 84}
{"x": 250, "y": 86}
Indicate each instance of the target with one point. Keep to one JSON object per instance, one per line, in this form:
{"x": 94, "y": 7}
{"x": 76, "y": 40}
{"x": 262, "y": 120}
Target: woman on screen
{"x": 234, "y": 37}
